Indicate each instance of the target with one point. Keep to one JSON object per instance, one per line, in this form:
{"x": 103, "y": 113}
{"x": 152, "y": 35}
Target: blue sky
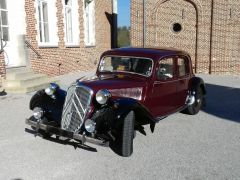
{"x": 123, "y": 12}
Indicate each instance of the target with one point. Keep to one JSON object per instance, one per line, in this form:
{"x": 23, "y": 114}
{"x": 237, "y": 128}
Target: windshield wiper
{"x": 106, "y": 71}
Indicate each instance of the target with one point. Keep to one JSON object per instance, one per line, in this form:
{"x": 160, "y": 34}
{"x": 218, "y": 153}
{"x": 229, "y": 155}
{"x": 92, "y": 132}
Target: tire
{"x": 123, "y": 144}
{"x": 197, "y": 105}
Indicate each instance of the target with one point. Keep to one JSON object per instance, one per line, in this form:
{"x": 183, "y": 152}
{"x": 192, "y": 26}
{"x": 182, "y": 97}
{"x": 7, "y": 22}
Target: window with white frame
{"x": 89, "y": 23}
{"x": 4, "y": 20}
{"x": 47, "y": 22}
{"x": 43, "y": 21}
{"x": 71, "y": 22}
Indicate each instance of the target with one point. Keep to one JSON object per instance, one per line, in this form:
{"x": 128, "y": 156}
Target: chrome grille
{"x": 76, "y": 107}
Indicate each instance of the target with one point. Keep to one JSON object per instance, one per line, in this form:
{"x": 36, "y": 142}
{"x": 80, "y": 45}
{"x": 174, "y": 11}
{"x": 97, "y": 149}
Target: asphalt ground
{"x": 183, "y": 147}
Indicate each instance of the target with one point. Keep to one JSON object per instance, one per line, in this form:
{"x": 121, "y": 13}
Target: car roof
{"x": 153, "y": 53}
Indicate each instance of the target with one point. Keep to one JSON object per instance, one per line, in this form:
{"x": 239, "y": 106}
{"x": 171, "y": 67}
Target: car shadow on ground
{"x": 65, "y": 141}
{"x": 223, "y": 102}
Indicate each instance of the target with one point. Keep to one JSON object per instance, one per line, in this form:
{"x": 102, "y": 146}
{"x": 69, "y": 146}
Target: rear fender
{"x": 197, "y": 82}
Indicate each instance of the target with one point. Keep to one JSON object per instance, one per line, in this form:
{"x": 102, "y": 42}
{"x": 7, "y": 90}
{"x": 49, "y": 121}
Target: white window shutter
{"x": 90, "y": 23}
{"x": 52, "y": 16}
{"x": 75, "y": 20}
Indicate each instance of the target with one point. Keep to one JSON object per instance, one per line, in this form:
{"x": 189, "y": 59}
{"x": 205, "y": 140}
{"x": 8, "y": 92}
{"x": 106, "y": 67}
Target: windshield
{"x": 126, "y": 64}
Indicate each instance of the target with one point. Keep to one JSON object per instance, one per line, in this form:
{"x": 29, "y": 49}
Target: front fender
{"x": 125, "y": 105}
{"x": 52, "y": 107}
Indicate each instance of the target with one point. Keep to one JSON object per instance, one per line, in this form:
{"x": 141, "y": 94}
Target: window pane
{"x": 183, "y": 67}
{"x": 40, "y": 32}
{"x": 4, "y": 16}
{"x": 3, "y": 4}
{"x": 39, "y": 12}
{"x": 87, "y": 3}
{"x": 165, "y": 70}
{"x": 46, "y": 32}
{"x": 5, "y": 33}
{"x": 69, "y": 24}
{"x": 45, "y": 11}
{"x": 40, "y": 22}
{"x": 68, "y": 2}
{"x": 87, "y": 25}
{"x": 89, "y": 22}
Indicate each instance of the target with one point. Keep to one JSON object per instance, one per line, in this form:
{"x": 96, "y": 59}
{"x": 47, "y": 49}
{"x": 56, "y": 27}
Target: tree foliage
{"x": 123, "y": 36}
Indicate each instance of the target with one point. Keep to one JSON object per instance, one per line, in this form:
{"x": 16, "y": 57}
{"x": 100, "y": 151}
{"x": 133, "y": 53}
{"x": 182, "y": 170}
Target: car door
{"x": 183, "y": 75}
{"x": 164, "y": 87}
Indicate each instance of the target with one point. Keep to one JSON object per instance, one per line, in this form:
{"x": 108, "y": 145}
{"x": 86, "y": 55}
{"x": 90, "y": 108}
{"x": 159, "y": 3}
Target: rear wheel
{"x": 123, "y": 144}
{"x": 197, "y": 105}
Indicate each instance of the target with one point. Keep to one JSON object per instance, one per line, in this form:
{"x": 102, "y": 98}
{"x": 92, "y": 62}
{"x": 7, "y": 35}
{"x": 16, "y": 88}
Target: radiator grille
{"x": 76, "y": 107}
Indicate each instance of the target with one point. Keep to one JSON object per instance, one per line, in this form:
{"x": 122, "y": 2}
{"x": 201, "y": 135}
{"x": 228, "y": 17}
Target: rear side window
{"x": 166, "y": 69}
{"x": 183, "y": 68}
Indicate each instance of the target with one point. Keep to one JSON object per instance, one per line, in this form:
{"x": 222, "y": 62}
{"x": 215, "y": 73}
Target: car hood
{"x": 119, "y": 85}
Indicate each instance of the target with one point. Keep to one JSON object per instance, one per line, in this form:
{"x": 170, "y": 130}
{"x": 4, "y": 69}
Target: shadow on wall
{"x": 223, "y": 102}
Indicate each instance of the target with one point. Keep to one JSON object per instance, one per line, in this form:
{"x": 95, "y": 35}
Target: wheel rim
{"x": 198, "y": 102}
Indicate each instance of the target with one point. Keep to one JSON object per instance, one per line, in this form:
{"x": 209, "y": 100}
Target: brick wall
{"x": 62, "y": 59}
{"x": 195, "y": 19}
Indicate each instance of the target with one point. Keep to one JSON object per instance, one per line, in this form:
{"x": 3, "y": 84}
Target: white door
{"x": 13, "y": 28}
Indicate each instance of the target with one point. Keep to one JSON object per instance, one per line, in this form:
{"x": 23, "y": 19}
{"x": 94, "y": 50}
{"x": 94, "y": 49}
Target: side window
{"x": 166, "y": 69}
{"x": 183, "y": 68}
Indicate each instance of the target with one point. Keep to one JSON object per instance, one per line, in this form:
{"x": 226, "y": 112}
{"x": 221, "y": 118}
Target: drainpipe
{"x": 144, "y": 23}
{"x": 2, "y": 50}
{"x": 211, "y": 38}
{"x": 114, "y": 24}
{"x": 1, "y": 37}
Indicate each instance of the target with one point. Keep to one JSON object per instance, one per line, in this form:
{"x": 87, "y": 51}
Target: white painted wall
{"x": 15, "y": 51}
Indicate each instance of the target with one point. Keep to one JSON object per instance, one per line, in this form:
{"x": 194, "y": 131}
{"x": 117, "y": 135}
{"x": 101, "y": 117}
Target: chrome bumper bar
{"x": 63, "y": 133}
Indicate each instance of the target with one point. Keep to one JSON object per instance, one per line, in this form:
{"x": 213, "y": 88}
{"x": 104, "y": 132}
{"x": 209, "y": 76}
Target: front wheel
{"x": 197, "y": 105}
{"x": 123, "y": 144}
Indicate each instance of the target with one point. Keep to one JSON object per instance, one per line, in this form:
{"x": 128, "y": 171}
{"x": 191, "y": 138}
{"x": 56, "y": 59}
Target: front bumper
{"x": 63, "y": 133}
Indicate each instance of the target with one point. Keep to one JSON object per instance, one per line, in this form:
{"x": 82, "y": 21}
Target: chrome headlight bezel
{"x": 50, "y": 91}
{"x": 103, "y": 96}
{"x": 38, "y": 113}
{"x": 90, "y": 125}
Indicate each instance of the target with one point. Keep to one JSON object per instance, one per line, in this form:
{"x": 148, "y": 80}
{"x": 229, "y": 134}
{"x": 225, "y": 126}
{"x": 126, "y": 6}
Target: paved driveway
{"x": 206, "y": 146}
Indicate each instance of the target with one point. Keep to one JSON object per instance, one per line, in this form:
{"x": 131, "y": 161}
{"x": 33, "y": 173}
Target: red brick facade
{"x": 62, "y": 59}
{"x": 210, "y": 30}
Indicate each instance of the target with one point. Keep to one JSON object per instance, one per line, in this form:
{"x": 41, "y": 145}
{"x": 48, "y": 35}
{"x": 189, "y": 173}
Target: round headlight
{"x": 102, "y": 96}
{"x": 51, "y": 89}
{"x": 90, "y": 125}
{"x": 37, "y": 113}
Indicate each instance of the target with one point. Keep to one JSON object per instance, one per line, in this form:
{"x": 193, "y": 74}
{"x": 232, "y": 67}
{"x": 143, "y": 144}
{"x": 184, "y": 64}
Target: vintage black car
{"x": 132, "y": 87}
